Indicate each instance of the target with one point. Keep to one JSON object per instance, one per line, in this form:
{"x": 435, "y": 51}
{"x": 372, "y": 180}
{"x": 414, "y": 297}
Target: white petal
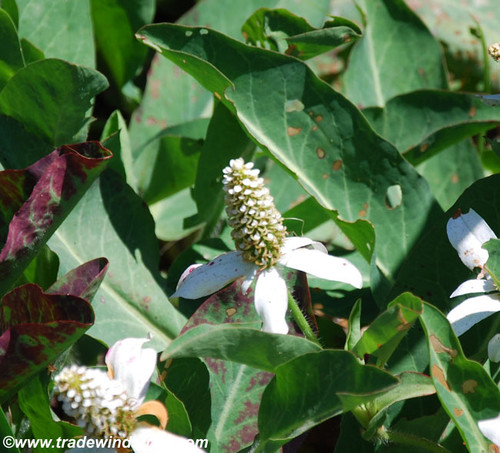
{"x": 494, "y": 348}
{"x": 212, "y": 276}
{"x": 186, "y": 273}
{"x": 271, "y": 301}
{"x": 149, "y": 439}
{"x": 474, "y": 286}
{"x": 491, "y": 429}
{"x": 467, "y": 233}
{"x": 132, "y": 365}
{"x": 293, "y": 243}
{"x": 324, "y": 266}
{"x": 473, "y": 310}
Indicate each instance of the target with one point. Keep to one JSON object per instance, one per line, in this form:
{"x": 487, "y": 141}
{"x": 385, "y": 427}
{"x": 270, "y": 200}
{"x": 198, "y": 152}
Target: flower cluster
{"x": 98, "y": 404}
{"x": 263, "y": 252}
{"x": 109, "y": 404}
{"x": 258, "y": 230}
{"x": 494, "y": 51}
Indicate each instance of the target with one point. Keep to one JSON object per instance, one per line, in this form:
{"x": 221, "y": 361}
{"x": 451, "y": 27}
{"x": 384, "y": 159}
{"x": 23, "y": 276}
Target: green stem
{"x": 301, "y": 321}
{"x": 414, "y": 441}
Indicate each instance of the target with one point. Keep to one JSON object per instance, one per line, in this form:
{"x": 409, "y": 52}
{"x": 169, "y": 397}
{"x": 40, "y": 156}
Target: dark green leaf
{"x": 465, "y": 389}
{"x": 51, "y": 99}
{"x": 11, "y": 58}
{"x": 345, "y": 171}
{"x": 385, "y": 333}
{"x": 306, "y": 391}
{"x": 287, "y": 33}
{"x": 115, "y": 23}
{"x": 382, "y": 66}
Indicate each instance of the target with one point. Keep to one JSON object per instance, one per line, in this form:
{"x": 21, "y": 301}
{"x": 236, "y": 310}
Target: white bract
{"x": 109, "y": 404}
{"x": 467, "y": 233}
{"x": 491, "y": 429}
{"x": 263, "y": 252}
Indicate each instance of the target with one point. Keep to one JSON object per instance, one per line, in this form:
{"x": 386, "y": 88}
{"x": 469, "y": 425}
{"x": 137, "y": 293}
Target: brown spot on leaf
{"x": 472, "y": 111}
{"x": 318, "y": 118}
{"x": 320, "y": 153}
{"x": 405, "y": 325}
{"x": 337, "y": 165}
{"x": 315, "y": 128}
{"x": 469, "y": 386}
{"x": 424, "y": 147}
{"x": 324, "y": 176}
{"x": 458, "y": 412}
{"x": 455, "y": 178}
{"x": 439, "y": 375}
{"x": 292, "y": 131}
{"x": 440, "y": 347}
{"x": 230, "y": 311}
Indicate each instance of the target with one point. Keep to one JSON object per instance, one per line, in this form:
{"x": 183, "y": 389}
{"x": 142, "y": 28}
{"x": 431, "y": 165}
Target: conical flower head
{"x": 98, "y": 404}
{"x": 258, "y": 230}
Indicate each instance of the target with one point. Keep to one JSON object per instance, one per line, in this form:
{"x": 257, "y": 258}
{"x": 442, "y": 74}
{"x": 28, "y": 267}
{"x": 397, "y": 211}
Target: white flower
{"x": 108, "y": 404}
{"x": 467, "y": 233}
{"x": 491, "y": 429}
{"x": 271, "y": 294}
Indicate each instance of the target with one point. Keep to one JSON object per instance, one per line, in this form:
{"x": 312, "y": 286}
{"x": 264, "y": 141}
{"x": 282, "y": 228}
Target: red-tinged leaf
{"x": 36, "y": 328}
{"x": 234, "y": 420}
{"x": 43, "y": 195}
{"x": 82, "y": 281}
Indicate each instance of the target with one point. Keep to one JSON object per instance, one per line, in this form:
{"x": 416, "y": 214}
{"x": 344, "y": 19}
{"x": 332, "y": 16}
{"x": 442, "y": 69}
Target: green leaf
{"x": 116, "y": 44}
{"x": 5, "y": 430}
{"x": 306, "y": 391}
{"x": 493, "y": 263}
{"x": 42, "y": 270}
{"x": 11, "y": 8}
{"x": 188, "y": 379}
{"x": 34, "y": 202}
{"x": 34, "y": 402}
{"x": 411, "y": 385}
{"x": 61, "y": 29}
{"x": 11, "y": 58}
{"x": 131, "y": 301}
{"x": 382, "y": 66}
{"x": 36, "y": 328}
{"x": 453, "y": 24}
{"x": 451, "y": 171}
{"x": 386, "y": 332}
{"x": 51, "y": 98}
{"x": 464, "y": 388}
{"x": 424, "y": 122}
{"x": 354, "y": 326}
{"x": 239, "y": 344}
{"x": 116, "y": 138}
{"x": 225, "y": 140}
{"x": 172, "y": 97}
{"x": 433, "y": 269}
{"x": 358, "y": 168}
{"x": 287, "y": 33}
{"x": 165, "y": 170}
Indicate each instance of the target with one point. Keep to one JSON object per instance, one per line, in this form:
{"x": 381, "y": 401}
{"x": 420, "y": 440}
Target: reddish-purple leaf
{"x": 36, "y": 328}
{"x": 82, "y": 281}
{"x": 37, "y": 199}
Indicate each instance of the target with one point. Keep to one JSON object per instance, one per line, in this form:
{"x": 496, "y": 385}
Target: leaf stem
{"x": 411, "y": 440}
{"x": 301, "y": 321}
